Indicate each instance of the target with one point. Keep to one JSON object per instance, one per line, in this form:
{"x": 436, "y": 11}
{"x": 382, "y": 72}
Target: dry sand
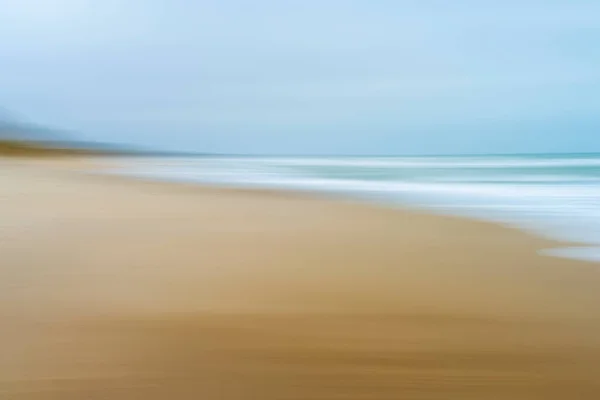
{"x": 119, "y": 289}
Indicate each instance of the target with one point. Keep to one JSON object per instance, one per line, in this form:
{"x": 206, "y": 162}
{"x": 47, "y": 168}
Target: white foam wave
{"x": 432, "y": 162}
{"x": 565, "y": 207}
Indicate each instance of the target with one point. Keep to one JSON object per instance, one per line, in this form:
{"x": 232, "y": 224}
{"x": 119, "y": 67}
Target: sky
{"x": 308, "y": 76}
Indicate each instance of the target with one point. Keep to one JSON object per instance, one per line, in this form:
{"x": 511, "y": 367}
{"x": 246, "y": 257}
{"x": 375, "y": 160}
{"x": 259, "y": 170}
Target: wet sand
{"x": 119, "y": 289}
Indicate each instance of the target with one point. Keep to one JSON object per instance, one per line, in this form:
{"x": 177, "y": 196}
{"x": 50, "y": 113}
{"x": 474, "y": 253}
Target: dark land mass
{"x": 19, "y": 139}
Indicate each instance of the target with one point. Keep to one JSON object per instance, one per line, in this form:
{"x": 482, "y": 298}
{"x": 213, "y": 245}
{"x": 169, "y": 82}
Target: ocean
{"x": 552, "y": 195}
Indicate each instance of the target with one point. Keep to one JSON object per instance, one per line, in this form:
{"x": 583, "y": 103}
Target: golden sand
{"x": 119, "y": 289}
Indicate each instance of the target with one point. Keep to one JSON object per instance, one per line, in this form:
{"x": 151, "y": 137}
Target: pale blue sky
{"x": 309, "y": 76}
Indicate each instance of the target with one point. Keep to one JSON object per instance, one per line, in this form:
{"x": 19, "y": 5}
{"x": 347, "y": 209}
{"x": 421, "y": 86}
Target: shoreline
{"x": 113, "y": 287}
{"x": 582, "y": 251}
{"x": 100, "y": 166}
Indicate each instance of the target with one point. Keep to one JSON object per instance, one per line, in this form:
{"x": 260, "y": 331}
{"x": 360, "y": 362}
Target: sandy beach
{"x": 112, "y": 288}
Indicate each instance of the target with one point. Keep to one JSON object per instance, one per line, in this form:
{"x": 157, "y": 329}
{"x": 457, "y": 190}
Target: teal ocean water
{"x": 556, "y": 196}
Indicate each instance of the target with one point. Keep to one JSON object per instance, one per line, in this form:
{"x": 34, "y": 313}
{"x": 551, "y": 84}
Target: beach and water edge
{"x": 551, "y": 195}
